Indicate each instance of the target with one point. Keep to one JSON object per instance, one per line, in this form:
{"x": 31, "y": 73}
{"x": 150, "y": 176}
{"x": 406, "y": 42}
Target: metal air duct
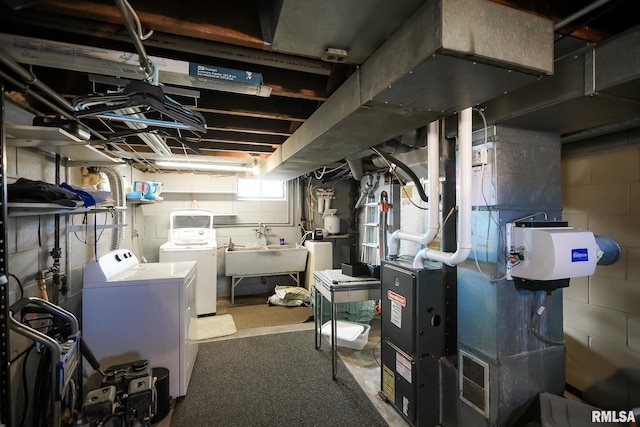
{"x": 448, "y": 56}
{"x": 591, "y": 93}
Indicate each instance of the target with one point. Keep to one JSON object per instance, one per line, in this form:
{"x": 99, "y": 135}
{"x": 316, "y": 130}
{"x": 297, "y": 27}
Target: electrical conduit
{"x": 64, "y": 107}
{"x": 433, "y": 174}
{"x": 464, "y": 202}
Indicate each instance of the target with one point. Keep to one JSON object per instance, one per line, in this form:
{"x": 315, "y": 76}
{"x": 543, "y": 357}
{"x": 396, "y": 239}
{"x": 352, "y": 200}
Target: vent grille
{"x": 473, "y": 393}
{"x": 474, "y": 382}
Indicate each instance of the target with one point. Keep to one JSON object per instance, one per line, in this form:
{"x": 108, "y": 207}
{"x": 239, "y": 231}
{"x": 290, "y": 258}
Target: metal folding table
{"x": 337, "y": 288}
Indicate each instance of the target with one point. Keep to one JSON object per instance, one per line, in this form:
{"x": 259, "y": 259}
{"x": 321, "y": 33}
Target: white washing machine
{"x": 192, "y": 238}
{"x": 133, "y": 311}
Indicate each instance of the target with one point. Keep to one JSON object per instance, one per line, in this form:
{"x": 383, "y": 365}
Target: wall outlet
{"x": 479, "y": 156}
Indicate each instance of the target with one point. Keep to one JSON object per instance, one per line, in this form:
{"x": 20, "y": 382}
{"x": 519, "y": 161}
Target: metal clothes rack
{"x": 5, "y": 388}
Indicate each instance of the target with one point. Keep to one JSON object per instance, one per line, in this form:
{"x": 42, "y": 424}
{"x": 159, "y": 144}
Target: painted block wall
{"x": 234, "y": 219}
{"x": 31, "y": 238}
{"x": 601, "y": 193}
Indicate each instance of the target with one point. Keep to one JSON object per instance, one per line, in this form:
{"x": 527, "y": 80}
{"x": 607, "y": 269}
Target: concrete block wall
{"x": 601, "y": 193}
{"x": 30, "y": 239}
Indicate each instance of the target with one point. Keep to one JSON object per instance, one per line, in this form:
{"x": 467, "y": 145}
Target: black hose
{"x": 42, "y": 390}
{"x": 19, "y": 285}
{"x": 88, "y": 354}
{"x": 25, "y": 388}
{"x": 535, "y": 322}
{"x": 409, "y": 172}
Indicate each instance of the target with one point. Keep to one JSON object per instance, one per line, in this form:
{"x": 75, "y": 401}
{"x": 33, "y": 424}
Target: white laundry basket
{"x": 349, "y": 334}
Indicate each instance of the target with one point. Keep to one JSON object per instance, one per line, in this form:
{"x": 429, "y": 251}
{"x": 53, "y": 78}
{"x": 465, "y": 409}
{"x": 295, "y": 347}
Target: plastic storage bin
{"x": 357, "y": 311}
{"x": 349, "y": 334}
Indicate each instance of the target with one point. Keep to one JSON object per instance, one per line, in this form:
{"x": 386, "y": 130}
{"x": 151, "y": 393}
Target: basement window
{"x": 257, "y": 189}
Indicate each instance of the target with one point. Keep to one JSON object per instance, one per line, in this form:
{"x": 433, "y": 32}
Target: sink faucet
{"x": 261, "y": 232}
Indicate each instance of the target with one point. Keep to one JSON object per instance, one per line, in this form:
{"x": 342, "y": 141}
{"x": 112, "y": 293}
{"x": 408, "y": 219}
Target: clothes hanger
{"x": 117, "y": 137}
{"x": 143, "y": 98}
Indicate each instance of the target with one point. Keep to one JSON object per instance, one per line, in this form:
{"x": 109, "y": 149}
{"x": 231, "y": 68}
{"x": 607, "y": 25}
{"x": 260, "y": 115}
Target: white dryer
{"x": 133, "y": 311}
{"x": 193, "y": 238}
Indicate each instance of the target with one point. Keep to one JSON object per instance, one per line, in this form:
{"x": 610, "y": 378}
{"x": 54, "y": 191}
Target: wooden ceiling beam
{"x": 216, "y": 135}
{"x": 261, "y": 126}
{"x": 204, "y": 147}
{"x": 274, "y": 107}
{"x": 557, "y": 11}
{"x": 226, "y": 22}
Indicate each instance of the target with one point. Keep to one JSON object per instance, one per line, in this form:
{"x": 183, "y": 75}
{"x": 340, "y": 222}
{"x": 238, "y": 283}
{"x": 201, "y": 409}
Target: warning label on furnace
{"x": 397, "y": 298}
{"x": 396, "y": 314}
{"x": 388, "y": 382}
{"x": 397, "y": 302}
{"x": 403, "y": 367}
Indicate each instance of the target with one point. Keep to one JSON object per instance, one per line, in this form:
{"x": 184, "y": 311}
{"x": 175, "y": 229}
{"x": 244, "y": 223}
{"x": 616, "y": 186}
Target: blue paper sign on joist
{"x": 221, "y": 73}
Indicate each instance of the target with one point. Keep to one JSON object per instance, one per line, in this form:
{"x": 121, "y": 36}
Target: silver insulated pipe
{"x": 118, "y": 193}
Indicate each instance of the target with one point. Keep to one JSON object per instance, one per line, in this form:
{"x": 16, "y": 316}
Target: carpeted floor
{"x": 271, "y": 380}
{"x": 254, "y": 312}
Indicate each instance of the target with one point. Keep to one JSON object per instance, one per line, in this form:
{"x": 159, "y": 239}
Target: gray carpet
{"x": 271, "y": 380}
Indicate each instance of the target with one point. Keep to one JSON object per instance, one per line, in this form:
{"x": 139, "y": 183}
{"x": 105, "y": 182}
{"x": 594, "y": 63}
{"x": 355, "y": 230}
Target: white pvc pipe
{"x": 464, "y": 201}
{"x": 433, "y": 174}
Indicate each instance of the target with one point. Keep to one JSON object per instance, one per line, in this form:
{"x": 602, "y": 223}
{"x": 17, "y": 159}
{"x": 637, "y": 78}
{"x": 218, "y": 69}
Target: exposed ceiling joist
{"x": 226, "y": 22}
{"x": 284, "y": 40}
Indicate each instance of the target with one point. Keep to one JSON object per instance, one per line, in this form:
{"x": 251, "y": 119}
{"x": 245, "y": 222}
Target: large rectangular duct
{"x": 523, "y": 175}
{"x": 449, "y": 55}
